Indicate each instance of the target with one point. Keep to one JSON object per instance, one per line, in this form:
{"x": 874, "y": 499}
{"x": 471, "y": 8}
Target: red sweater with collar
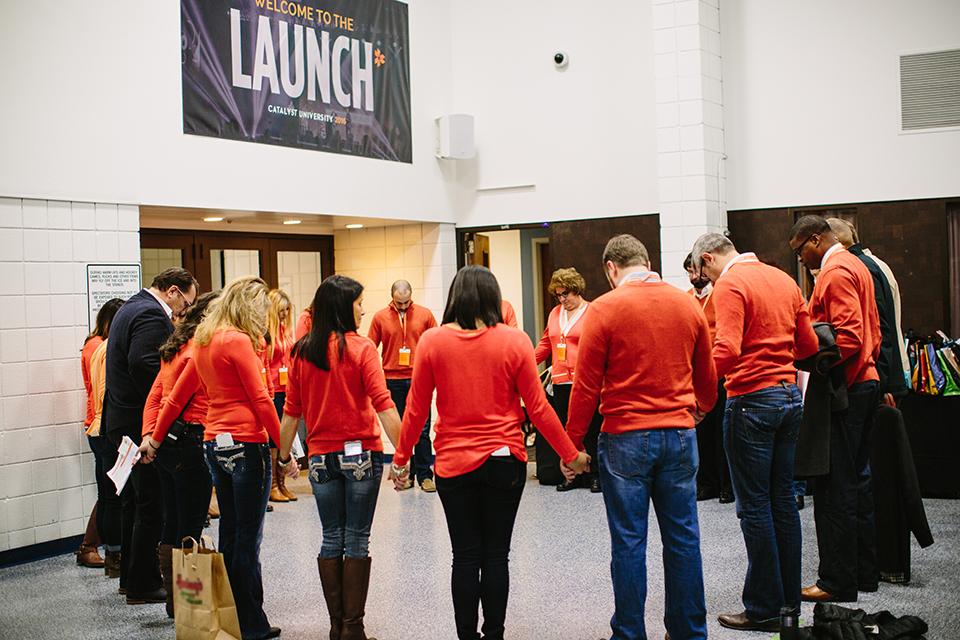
{"x": 387, "y": 328}
{"x": 563, "y": 371}
{"x": 645, "y": 357}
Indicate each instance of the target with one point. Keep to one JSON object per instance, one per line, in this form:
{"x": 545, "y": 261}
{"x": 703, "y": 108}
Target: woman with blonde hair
{"x": 277, "y": 358}
{"x": 240, "y": 421}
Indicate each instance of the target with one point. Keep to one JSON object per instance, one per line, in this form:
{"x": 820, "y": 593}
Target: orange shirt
{"x": 553, "y": 335}
{"x": 706, "y": 304}
{"x": 762, "y": 327}
{"x": 98, "y": 381}
{"x": 341, "y": 404}
{"x": 304, "y": 323}
{"x": 240, "y": 405}
{"x": 646, "y": 359}
{"x": 396, "y": 332}
{"x": 88, "y": 348}
{"x": 509, "y": 315}
{"x": 480, "y": 377}
{"x": 844, "y": 296}
{"x": 164, "y": 405}
{"x": 281, "y": 358}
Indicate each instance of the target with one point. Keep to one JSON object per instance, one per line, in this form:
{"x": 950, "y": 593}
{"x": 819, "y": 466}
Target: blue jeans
{"x": 242, "y": 474}
{"x": 760, "y": 432}
{"x": 422, "y": 453}
{"x": 346, "y": 490}
{"x": 659, "y": 465}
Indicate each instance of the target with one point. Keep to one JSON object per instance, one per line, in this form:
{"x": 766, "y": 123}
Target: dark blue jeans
{"x": 185, "y": 482}
{"x": 242, "y": 474}
{"x": 346, "y": 490}
{"x": 760, "y": 432}
{"x": 635, "y": 468}
{"x": 422, "y": 453}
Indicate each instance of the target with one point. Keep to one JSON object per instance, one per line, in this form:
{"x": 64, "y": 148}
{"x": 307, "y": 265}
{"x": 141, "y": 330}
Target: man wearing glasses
{"x": 143, "y": 323}
{"x": 843, "y": 506}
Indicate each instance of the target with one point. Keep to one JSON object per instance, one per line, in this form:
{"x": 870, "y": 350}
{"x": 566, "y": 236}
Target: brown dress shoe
{"x": 813, "y": 593}
{"x": 741, "y": 622}
{"x": 88, "y": 556}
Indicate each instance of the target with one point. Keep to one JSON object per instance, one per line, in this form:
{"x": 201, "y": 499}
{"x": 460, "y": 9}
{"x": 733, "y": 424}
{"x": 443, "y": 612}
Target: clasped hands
{"x": 580, "y": 464}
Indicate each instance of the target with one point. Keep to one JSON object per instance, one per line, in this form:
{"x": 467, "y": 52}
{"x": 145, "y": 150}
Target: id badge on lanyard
{"x": 404, "y": 357}
{"x": 283, "y": 376}
{"x": 263, "y": 375}
{"x": 562, "y": 350}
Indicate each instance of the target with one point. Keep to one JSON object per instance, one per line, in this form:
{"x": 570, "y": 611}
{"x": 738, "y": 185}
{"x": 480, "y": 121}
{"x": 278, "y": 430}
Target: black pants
{"x": 843, "y": 501}
{"x": 713, "y": 476}
{"x": 481, "y": 507}
{"x": 185, "y": 485}
{"x": 561, "y": 404}
{"x": 141, "y": 522}
{"x": 108, "y": 502}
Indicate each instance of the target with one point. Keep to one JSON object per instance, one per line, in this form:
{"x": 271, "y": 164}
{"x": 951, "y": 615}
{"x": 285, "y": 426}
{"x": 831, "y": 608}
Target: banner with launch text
{"x": 329, "y": 75}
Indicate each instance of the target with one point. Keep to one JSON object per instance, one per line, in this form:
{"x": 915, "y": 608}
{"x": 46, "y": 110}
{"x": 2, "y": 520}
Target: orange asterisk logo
{"x": 378, "y": 58}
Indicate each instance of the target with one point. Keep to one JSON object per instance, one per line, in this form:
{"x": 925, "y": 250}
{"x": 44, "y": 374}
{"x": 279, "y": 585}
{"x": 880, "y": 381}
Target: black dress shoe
{"x": 706, "y": 494}
{"x": 273, "y": 633}
{"x": 150, "y": 597}
{"x": 269, "y": 508}
{"x": 569, "y": 485}
{"x": 726, "y": 498}
{"x": 595, "y": 485}
{"x": 741, "y": 622}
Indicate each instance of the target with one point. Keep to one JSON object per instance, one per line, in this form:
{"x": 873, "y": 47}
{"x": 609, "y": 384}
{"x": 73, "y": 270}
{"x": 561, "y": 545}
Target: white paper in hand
{"x": 296, "y": 448}
{"x": 127, "y": 455}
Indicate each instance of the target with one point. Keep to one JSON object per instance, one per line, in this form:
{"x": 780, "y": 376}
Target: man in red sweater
{"x": 645, "y": 357}
{"x": 843, "y": 499}
{"x": 398, "y": 328}
{"x": 762, "y": 328}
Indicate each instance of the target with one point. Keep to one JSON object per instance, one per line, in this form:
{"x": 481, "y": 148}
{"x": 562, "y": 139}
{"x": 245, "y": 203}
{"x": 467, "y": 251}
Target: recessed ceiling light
{"x": 292, "y": 221}
{"x": 355, "y": 225}
{"x": 213, "y": 219}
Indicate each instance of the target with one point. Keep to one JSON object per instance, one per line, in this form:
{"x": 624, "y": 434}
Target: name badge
{"x": 562, "y": 351}
{"x": 263, "y": 375}
{"x": 502, "y": 452}
{"x": 224, "y": 440}
{"x": 404, "y": 357}
{"x": 352, "y": 448}
{"x": 283, "y": 376}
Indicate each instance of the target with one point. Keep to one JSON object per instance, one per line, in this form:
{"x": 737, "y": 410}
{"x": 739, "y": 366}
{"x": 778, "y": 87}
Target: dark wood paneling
{"x": 580, "y": 244}
{"x": 765, "y": 233}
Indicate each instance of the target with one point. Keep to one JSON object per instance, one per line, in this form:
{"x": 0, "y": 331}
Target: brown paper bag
{"x": 203, "y": 603}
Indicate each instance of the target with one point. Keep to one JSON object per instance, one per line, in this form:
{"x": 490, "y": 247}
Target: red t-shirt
{"x": 160, "y": 411}
{"x": 88, "y": 348}
{"x": 480, "y": 377}
{"x": 341, "y": 404}
{"x": 396, "y": 333}
{"x": 762, "y": 327}
{"x": 844, "y": 296}
{"x": 645, "y": 356}
{"x": 563, "y": 368}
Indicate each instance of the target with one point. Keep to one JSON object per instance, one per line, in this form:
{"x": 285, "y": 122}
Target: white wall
{"x": 47, "y": 485}
{"x": 585, "y": 136}
{"x": 505, "y": 265}
{"x": 92, "y": 111}
{"x": 811, "y": 102}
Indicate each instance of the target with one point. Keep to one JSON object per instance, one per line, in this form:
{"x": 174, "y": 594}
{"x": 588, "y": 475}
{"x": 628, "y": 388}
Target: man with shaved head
{"x": 398, "y": 328}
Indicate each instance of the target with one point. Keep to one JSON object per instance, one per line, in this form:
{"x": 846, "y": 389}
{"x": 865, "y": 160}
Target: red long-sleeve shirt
{"x": 843, "y": 296}
{"x": 762, "y": 327}
{"x": 88, "y": 348}
{"x": 563, "y": 370}
{"x": 395, "y": 333}
{"x": 480, "y": 377}
{"x": 509, "y": 315}
{"x": 240, "y": 405}
{"x": 341, "y": 404}
{"x": 164, "y": 406}
{"x": 304, "y": 323}
{"x": 645, "y": 355}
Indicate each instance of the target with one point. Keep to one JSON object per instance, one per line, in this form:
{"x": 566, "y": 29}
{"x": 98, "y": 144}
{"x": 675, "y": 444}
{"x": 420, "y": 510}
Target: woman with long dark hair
{"x": 104, "y": 523}
{"x": 337, "y": 384}
{"x": 173, "y": 436}
{"x": 481, "y": 369}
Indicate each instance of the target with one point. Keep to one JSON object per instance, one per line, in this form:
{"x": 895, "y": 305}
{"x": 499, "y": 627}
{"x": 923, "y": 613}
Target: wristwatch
{"x": 284, "y": 463}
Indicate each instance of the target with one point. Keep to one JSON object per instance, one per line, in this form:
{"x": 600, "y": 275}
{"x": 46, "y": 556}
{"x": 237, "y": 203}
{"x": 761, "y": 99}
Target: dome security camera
{"x": 561, "y": 60}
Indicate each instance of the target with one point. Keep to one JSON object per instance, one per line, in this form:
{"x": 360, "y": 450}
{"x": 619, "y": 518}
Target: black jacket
{"x": 133, "y": 361}
{"x": 826, "y": 394}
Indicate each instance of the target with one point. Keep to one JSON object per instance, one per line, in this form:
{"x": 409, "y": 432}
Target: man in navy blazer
{"x": 141, "y": 325}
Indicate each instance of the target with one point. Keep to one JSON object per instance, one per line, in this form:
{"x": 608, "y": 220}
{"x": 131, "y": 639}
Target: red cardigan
{"x": 563, "y": 371}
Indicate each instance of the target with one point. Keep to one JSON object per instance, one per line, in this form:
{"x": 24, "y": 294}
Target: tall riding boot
{"x": 275, "y": 494}
{"x": 331, "y": 580}
{"x": 111, "y": 564}
{"x": 356, "y": 580}
{"x": 87, "y": 554}
{"x": 281, "y": 477}
{"x": 165, "y": 554}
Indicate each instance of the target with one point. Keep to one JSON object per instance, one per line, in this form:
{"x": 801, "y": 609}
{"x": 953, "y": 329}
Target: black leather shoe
{"x": 726, "y": 498}
{"x": 705, "y": 494}
{"x": 570, "y": 485}
{"x": 150, "y": 597}
{"x": 741, "y": 622}
{"x": 273, "y": 633}
{"x": 595, "y": 486}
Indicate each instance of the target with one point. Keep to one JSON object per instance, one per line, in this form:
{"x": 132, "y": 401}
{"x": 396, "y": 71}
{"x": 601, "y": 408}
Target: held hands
{"x": 148, "y": 450}
{"x": 889, "y": 401}
{"x": 400, "y": 476}
{"x": 580, "y": 464}
{"x": 292, "y": 468}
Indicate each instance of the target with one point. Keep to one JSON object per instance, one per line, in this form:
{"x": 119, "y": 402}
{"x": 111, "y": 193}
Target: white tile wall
{"x": 47, "y": 486}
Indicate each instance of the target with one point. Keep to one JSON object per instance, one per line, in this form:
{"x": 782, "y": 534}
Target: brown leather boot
{"x": 111, "y": 564}
{"x": 88, "y": 556}
{"x": 356, "y": 581}
{"x": 275, "y": 494}
{"x": 282, "y": 483}
{"x": 165, "y": 555}
{"x": 331, "y": 580}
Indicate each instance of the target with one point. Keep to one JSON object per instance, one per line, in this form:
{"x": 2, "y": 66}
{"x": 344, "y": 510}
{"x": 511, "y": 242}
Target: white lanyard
{"x": 566, "y": 323}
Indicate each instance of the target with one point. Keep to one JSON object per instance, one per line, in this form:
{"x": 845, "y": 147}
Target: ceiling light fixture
{"x": 355, "y": 225}
{"x": 213, "y": 219}
{"x": 292, "y": 221}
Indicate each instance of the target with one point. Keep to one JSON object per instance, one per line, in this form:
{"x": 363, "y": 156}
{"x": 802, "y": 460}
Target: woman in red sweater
{"x": 173, "y": 436}
{"x": 480, "y": 368}
{"x": 277, "y": 358}
{"x": 337, "y": 384}
{"x": 101, "y": 527}
{"x": 240, "y": 420}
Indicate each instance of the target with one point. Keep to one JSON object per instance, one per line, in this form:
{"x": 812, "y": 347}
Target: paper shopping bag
{"x": 203, "y": 604}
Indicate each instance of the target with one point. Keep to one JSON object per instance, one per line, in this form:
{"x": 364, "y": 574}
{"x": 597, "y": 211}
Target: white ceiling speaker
{"x": 455, "y": 136}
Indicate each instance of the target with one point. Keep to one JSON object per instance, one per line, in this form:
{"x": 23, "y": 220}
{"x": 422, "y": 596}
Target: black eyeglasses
{"x": 563, "y": 294}
{"x": 800, "y": 248}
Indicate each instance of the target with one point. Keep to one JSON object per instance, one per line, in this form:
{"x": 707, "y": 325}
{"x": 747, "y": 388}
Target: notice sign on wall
{"x": 108, "y": 281}
{"x": 327, "y": 75}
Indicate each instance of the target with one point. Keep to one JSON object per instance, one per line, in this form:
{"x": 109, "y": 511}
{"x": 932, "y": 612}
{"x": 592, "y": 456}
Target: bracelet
{"x": 150, "y": 444}
{"x": 284, "y": 463}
